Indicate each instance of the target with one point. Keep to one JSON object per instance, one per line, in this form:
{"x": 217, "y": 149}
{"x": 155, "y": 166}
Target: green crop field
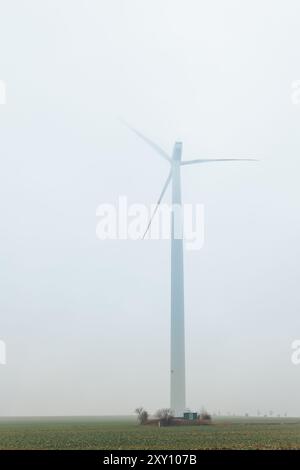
{"x": 124, "y": 433}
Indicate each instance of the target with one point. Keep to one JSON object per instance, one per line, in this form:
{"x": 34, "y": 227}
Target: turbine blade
{"x": 156, "y": 147}
{"x": 158, "y": 202}
{"x": 212, "y": 160}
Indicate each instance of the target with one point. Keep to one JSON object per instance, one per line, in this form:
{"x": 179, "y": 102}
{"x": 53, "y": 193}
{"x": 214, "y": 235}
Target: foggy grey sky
{"x": 86, "y": 323}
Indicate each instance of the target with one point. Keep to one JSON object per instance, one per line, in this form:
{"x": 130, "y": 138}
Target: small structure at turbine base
{"x": 190, "y": 415}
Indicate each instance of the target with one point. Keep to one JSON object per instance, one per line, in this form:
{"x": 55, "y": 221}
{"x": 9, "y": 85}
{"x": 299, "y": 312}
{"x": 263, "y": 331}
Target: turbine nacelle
{"x": 177, "y": 152}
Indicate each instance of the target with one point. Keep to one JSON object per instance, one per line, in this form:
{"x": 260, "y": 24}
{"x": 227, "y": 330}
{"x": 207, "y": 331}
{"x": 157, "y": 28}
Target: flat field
{"x": 124, "y": 433}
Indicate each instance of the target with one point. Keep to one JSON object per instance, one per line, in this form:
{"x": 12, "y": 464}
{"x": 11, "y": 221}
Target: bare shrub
{"x": 142, "y": 415}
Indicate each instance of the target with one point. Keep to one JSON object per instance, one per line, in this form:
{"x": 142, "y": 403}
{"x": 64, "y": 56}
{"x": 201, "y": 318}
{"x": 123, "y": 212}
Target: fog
{"x": 86, "y": 322}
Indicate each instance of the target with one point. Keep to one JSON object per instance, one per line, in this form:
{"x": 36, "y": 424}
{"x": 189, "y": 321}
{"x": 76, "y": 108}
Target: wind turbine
{"x": 177, "y": 388}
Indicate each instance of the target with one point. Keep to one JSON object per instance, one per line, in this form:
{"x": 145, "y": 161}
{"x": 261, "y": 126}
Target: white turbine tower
{"x": 177, "y": 389}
